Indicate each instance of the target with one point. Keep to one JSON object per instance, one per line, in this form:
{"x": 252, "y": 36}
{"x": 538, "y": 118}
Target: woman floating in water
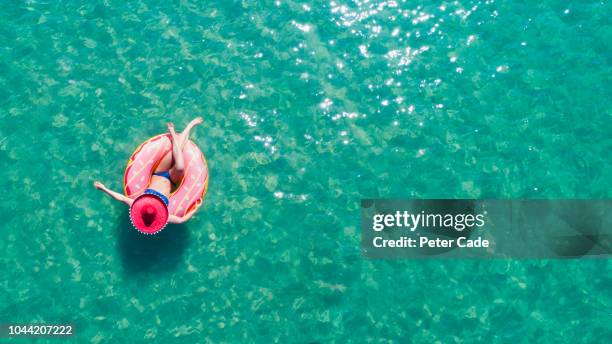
{"x": 149, "y": 203}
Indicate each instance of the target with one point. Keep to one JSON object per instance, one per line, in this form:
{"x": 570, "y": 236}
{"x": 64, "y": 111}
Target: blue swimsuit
{"x": 164, "y": 174}
{"x": 157, "y": 194}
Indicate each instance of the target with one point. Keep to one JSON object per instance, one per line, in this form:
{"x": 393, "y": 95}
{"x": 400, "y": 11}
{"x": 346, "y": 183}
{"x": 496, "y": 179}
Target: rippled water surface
{"x": 308, "y": 107}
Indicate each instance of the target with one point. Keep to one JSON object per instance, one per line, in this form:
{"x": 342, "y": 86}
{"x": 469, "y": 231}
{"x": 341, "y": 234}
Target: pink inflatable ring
{"x": 188, "y": 196}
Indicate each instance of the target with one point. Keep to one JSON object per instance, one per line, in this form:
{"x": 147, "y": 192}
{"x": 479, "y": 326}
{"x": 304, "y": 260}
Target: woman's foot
{"x": 197, "y": 120}
{"x": 171, "y": 128}
{"x": 193, "y": 123}
{"x": 173, "y": 135}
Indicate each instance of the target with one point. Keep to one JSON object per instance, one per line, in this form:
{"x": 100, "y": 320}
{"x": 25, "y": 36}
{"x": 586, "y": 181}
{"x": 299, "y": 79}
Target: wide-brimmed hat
{"x": 149, "y": 214}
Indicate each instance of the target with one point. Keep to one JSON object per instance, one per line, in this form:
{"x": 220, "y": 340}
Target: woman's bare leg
{"x": 177, "y": 149}
{"x": 184, "y": 136}
{"x": 178, "y": 143}
{"x": 165, "y": 164}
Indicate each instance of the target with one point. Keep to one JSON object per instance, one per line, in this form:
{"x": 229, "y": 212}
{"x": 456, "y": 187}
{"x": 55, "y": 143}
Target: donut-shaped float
{"x": 188, "y": 196}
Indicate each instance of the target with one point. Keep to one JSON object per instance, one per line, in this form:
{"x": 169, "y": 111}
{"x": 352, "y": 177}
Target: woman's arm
{"x": 182, "y": 219}
{"x": 119, "y": 197}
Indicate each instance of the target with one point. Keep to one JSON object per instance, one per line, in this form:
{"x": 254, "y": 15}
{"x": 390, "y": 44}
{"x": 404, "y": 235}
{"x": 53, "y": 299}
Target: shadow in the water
{"x": 150, "y": 253}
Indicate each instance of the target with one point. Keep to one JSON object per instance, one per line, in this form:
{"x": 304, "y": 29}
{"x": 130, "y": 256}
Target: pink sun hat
{"x": 149, "y": 214}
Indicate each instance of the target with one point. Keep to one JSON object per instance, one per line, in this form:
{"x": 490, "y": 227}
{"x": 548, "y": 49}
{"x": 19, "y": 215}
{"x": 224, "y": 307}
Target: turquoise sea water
{"x": 308, "y": 107}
